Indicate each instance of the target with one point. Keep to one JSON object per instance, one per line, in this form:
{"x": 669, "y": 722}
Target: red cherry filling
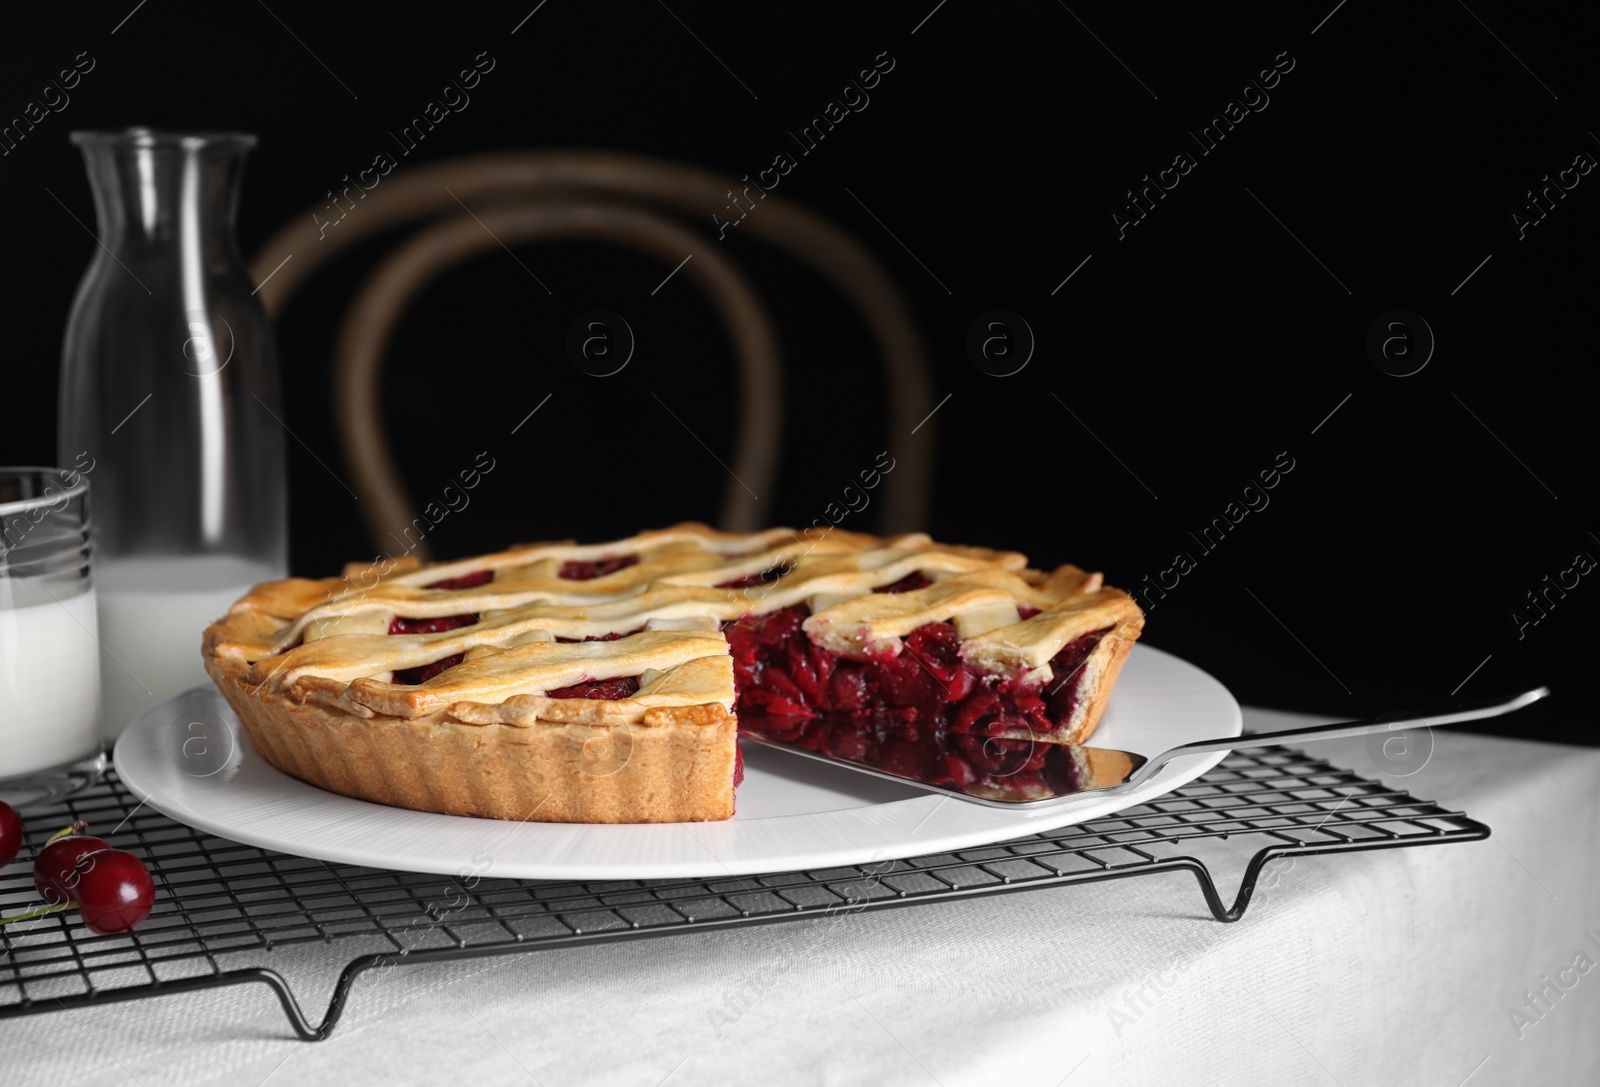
{"x": 778, "y": 671}
{"x": 1061, "y": 693}
{"x": 465, "y": 581}
{"x": 911, "y": 582}
{"x": 413, "y": 676}
{"x": 613, "y": 636}
{"x": 750, "y": 581}
{"x": 1024, "y": 769}
{"x": 608, "y": 690}
{"x": 400, "y": 625}
{"x": 581, "y": 570}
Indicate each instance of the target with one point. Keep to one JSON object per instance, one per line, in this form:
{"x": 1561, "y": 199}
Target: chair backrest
{"x": 524, "y": 197}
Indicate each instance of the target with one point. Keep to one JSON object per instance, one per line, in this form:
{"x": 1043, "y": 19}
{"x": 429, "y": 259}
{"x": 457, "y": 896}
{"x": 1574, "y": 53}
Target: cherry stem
{"x": 78, "y": 827}
{"x": 42, "y": 911}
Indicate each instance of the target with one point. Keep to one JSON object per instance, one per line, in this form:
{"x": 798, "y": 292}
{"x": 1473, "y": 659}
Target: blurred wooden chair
{"x": 543, "y": 196}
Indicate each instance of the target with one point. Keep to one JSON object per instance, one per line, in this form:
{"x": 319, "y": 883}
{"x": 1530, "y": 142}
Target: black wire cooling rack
{"x": 216, "y": 898}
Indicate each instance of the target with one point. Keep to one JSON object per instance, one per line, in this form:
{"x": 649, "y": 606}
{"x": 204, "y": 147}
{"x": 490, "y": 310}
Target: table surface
{"x": 1409, "y": 966}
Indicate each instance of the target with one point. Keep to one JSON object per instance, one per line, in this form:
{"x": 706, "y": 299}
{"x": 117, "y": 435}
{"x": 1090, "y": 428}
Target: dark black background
{"x": 1198, "y": 349}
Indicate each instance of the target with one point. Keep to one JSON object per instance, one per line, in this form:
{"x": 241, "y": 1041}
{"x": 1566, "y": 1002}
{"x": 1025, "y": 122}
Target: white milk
{"x": 49, "y": 690}
{"x": 152, "y": 614}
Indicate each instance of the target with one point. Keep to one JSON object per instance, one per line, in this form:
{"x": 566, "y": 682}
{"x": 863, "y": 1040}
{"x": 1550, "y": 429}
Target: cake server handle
{"x": 1342, "y": 729}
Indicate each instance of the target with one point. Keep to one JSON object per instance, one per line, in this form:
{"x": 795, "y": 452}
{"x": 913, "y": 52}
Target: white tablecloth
{"x": 1392, "y": 967}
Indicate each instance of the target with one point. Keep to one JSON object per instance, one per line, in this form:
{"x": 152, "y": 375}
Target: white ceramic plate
{"x": 189, "y": 758}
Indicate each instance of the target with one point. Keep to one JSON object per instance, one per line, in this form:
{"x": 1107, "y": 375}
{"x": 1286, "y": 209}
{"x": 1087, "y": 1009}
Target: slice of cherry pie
{"x": 601, "y": 683}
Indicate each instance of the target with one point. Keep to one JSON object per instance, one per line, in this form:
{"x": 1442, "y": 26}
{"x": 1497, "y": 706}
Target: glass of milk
{"x": 49, "y": 641}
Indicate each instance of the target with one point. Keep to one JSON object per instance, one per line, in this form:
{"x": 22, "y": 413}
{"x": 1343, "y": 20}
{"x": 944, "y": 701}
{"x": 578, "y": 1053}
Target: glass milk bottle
{"x": 169, "y": 382}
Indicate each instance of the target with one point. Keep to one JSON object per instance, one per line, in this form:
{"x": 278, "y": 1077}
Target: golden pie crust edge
{"x": 674, "y": 765}
{"x": 1101, "y": 671}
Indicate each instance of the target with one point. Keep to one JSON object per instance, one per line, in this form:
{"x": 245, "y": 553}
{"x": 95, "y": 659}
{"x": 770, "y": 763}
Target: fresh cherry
{"x": 54, "y": 868}
{"x": 10, "y": 833}
{"x": 114, "y": 889}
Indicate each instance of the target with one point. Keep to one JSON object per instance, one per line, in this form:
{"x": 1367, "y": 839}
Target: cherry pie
{"x": 600, "y": 683}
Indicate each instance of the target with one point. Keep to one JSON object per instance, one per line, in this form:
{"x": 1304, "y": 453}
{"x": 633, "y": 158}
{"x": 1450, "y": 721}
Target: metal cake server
{"x": 1106, "y": 771}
